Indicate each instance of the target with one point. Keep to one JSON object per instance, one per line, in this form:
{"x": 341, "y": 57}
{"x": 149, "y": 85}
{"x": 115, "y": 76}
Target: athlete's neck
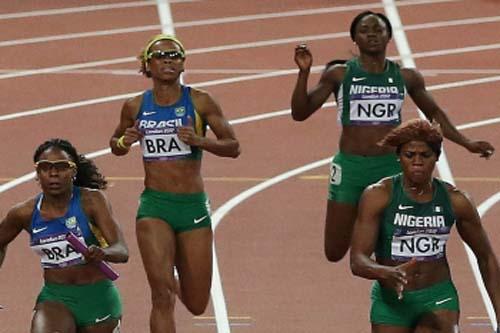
{"x": 372, "y": 63}
{"x": 166, "y": 94}
{"x": 417, "y": 189}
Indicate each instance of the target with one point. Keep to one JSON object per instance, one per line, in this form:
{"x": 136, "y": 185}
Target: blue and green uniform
{"x": 365, "y": 99}
{"x": 159, "y": 125}
{"x": 90, "y": 304}
{"x": 411, "y": 229}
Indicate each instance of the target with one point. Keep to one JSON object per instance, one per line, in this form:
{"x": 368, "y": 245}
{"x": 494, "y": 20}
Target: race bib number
{"x": 424, "y": 247}
{"x": 57, "y": 252}
{"x": 374, "y": 111}
{"x": 164, "y": 145}
{"x": 335, "y": 174}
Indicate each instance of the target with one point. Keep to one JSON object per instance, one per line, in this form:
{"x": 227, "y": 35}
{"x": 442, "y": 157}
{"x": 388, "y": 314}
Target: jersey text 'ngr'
{"x": 371, "y": 98}
{"x": 410, "y": 229}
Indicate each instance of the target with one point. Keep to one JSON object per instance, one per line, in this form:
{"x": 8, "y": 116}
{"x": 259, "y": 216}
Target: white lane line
{"x": 216, "y": 290}
{"x": 165, "y": 15}
{"x": 66, "y": 106}
{"x": 230, "y": 47}
{"x": 22, "y": 179}
{"x": 225, "y": 20}
{"x": 482, "y": 209}
{"x": 442, "y": 165}
{"x": 233, "y": 202}
{"x": 235, "y": 71}
{"x": 82, "y": 9}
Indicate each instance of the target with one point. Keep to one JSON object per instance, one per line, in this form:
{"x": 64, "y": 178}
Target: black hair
{"x": 87, "y": 174}
{"x": 361, "y": 15}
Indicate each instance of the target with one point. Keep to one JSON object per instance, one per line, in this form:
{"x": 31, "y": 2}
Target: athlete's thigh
{"x": 377, "y": 328}
{"x": 111, "y": 326}
{"x": 52, "y": 317}
{"x": 339, "y": 224}
{"x": 439, "y": 321}
{"x": 194, "y": 262}
{"x": 156, "y": 241}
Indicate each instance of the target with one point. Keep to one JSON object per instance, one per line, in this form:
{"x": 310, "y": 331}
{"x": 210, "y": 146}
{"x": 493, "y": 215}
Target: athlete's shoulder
{"x": 23, "y": 210}
{"x": 203, "y": 100}
{"x": 132, "y": 105}
{"x": 381, "y": 188}
{"x": 90, "y": 194}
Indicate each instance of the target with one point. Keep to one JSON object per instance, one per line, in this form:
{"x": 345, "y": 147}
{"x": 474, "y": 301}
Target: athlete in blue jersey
{"x": 173, "y": 220}
{"x": 76, "y": 296}
{"x": 400, "y": 236}
{"x": 369, "y": 91}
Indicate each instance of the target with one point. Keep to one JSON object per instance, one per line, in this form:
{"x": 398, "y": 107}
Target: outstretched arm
{"x": 423, "y": 99}
{"x": 471, "y": 231}
{"x": 305, "y": 103}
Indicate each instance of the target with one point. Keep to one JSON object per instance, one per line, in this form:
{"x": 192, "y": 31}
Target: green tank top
{"x": 410, "y": 229}
{"x": 371, "y": 98}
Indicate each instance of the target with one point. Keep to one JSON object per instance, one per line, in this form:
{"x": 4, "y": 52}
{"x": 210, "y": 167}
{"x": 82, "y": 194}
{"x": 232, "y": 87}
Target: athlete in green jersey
{"x": 405, "y": 220}
{"x": 369, "y": 91}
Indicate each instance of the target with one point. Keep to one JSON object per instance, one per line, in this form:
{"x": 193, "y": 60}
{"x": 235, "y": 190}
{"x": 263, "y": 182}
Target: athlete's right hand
{"x": 132, "y": 134}
{"x": 397, "y": 276}
{"x": 303, "y": 57}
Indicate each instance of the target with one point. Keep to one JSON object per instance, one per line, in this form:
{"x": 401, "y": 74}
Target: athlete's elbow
{"x": 236, "y": 151}
{"x": 298, "y": 116}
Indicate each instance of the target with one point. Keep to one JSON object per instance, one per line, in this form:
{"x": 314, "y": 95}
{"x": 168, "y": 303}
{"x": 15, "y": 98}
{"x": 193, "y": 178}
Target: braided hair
{"x": 87, "y": 174}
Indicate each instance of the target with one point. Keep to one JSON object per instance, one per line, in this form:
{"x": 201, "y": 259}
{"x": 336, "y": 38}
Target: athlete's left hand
{"x": 94, "y": 254}
{"x": 187, "y": 134}
{"x": 484, "y": 148}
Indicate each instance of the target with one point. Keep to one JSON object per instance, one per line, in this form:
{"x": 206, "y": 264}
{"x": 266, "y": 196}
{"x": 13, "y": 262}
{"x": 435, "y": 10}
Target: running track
{"x": 67, "y": 66}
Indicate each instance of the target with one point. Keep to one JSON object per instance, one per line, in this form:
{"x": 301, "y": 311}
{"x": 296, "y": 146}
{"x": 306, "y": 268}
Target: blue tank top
{"x": 159, "y": 125}
{"x": 48, "y": 237}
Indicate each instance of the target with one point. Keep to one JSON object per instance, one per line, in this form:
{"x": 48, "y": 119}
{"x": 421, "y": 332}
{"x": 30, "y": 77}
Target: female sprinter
{"x": 406, "y": 220}
{"x": 370, "y": 90}
{"x": 76, "y": 297}
{"x": 173, "y": 220}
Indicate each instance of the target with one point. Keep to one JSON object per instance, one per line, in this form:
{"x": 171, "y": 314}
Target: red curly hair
{"x": 414, "y": 129}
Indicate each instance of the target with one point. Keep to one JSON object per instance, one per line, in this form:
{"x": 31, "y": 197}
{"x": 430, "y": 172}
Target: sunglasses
{"x": 59, "y": 165}
{"x": 169, "y": 54}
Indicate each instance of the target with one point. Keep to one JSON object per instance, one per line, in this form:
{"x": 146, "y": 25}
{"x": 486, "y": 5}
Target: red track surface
{"x": 274, "y": 275}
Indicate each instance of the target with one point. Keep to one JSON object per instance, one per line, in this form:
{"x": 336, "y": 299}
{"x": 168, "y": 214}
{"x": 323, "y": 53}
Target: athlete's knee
{"x": 335, "y": 254}
{"x": 196, "y": 307}
{"x": 163, "y": 298}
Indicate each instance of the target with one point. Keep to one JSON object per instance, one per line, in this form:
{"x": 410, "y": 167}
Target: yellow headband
{"x": 162, "y": 37}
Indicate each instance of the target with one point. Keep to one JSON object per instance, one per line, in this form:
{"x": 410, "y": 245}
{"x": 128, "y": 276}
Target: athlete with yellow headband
{"x": 173, "y": 220}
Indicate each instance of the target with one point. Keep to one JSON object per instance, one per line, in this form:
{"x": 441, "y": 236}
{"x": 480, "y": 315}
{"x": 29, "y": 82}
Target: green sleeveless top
{"x": 410, "y": 229}
{"x": 371, "y": 98}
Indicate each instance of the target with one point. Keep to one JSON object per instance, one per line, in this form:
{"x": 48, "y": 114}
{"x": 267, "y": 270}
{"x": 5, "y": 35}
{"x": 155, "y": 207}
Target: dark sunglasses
{"x": 169, "y": 54}
{"x": 59, "y": 165}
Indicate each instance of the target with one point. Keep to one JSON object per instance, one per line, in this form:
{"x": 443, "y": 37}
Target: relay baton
{"x": 82, "y": 248}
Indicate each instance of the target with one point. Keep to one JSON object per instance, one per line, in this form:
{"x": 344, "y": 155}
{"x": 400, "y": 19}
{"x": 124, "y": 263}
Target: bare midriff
{"x": 176, "y": 176}
{"x": 362, "y": 140}
{"x": 424, "y": 274}
{"x": 78, "y": 274}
